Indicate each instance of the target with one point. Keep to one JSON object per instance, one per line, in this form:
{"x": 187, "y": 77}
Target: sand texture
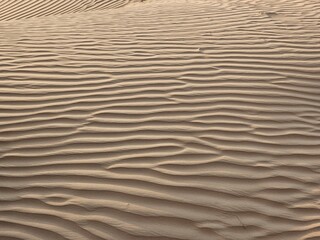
{"x": 160, "y": 120}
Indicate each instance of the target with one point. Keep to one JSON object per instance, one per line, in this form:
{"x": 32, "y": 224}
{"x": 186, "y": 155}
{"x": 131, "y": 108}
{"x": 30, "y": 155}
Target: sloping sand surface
{"x": 160, "y": 120}
{"x": 22, "y": 9}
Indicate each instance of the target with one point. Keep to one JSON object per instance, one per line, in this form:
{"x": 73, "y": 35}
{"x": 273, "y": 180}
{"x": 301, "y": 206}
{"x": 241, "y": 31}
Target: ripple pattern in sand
{"x": 162, "y": 120}
{"x": 24, "y": 9}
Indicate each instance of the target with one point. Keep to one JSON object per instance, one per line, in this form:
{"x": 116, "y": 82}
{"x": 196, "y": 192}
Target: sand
{"x": 161, "y": 119}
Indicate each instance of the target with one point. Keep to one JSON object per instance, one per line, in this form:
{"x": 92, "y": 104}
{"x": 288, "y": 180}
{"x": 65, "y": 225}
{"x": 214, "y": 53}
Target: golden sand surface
{"x": 160, "y": 120}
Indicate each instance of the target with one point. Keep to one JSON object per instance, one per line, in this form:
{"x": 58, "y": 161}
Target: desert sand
{"x": 159, "y": 120}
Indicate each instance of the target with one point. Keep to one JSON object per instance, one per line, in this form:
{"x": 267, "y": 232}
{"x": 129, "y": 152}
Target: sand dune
{"x": 22, "y": 9}
{"x": 161, "y": 120}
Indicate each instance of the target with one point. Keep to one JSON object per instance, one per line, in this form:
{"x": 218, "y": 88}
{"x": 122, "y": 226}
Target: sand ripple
{"x": 161, "y": 120}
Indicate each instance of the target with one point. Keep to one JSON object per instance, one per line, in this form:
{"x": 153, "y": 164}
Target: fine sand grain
{"x": 159, "y": 120}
